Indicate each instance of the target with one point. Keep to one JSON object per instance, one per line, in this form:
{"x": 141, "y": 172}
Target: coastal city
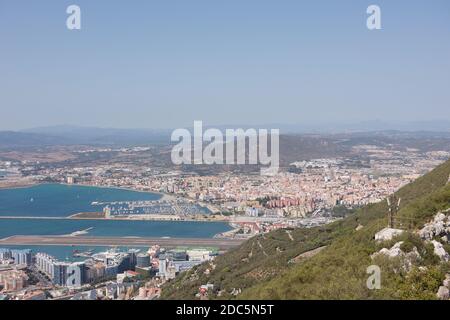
{"x": 223, "y": 158}
{"x": 127, "y": 265}
{"x": 305, "y": 189}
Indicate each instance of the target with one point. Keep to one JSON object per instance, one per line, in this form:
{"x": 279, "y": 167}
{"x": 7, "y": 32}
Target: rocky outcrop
{"x": 443, "y": 293}
{"x": 444, "y": 290}
{"x": 387, "y": 234}
{"x": 438, "y": 227}
{"x": 440, "y": 251}
{"x": 396, "y": 252}
{"x": 446, "y": 282}
{"x": 393, "y": 252}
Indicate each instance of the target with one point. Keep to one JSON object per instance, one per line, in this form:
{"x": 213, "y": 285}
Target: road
{"x": 119, "y": 241}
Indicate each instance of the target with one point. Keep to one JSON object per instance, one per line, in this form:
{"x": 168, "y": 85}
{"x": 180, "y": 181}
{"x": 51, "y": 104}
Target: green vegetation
{"x": 264, "y": 266}
{"x": 342, "y": 211}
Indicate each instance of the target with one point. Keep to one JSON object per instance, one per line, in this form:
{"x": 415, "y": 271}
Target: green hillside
{"x": 271, "y": 266}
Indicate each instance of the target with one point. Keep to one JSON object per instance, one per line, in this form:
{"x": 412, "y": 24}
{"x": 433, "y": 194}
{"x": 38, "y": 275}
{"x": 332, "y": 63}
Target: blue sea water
{"x": 111, "y": 228}
{"x": 54, "y": 200}
{"x": 57, "y": 200}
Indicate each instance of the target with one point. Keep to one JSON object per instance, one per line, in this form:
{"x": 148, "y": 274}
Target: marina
{"x": 60, "y": 200}
{"x": 47, "y": 218}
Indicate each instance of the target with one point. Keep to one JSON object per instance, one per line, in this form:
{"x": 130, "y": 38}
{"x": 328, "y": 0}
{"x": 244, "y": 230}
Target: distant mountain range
{"x": 70, "y": 135}
{"x": 13, "y": 139}
{"x": 363, "y": 126}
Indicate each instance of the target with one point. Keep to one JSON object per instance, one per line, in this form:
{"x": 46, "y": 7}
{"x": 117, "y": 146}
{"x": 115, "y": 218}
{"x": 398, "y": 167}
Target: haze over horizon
{"x": 438, "y": 126}
{"x": 164, "y": 65}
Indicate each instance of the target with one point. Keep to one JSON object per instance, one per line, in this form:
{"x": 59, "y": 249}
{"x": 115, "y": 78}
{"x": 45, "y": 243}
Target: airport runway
{"x": 118, "y": 241}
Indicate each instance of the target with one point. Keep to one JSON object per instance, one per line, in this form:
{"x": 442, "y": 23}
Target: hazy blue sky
{"x": 166, "y": 63}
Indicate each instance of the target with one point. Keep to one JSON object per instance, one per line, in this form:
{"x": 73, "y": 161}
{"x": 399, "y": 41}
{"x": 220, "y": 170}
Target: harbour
{"x": 59, "y": 218}
{"x": 60, "y": 200}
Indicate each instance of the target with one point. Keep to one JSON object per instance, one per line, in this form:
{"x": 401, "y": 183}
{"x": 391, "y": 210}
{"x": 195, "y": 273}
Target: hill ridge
{"x": 260, "y": 267}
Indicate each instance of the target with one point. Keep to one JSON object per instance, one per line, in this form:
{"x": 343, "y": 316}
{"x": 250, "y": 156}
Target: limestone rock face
{"x": 440, "y": 217}
{"x": 440, "y": 251}
{"x": 396, "y": 252}
{"x": 439, "y": 227}
{"x": 446, "y": 281}
{"x": 387, "y": 234}
{"x": 443, "y": 293}
{"x": 393, "y": 252}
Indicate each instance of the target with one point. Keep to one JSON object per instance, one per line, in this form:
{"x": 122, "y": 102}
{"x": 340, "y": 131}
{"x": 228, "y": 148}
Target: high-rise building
{"x": 5, "y": 254}
{"x": 19, "y": 256}
{"x": 59, "y": 274}
{"x": 75, "y": 274}
{"x": 25, "y": 257}
{"x": 70, "y": 274}
{"x": 143, "y": 260}
{"x": 162, "y": 266}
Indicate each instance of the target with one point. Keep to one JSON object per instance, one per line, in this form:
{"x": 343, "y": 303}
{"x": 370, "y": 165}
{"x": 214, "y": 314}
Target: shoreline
{"x": 35, "y": 184}
{"x": 162, "y": 197}
{"x": 19, "y": 186}
{"x": 161, "y": 194}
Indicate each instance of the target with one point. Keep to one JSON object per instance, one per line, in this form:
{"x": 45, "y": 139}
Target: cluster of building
{"x": 112, "y": 274}
{"x": 369, "y": 176}
{"x": 313, "y": 186}
{"x": 113, "y": 263}
{"x": 13, "y": 264}
{"x": 304, "y": 190}
{"x": 12, "y": 278}
{"x": 15, "y": 256}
